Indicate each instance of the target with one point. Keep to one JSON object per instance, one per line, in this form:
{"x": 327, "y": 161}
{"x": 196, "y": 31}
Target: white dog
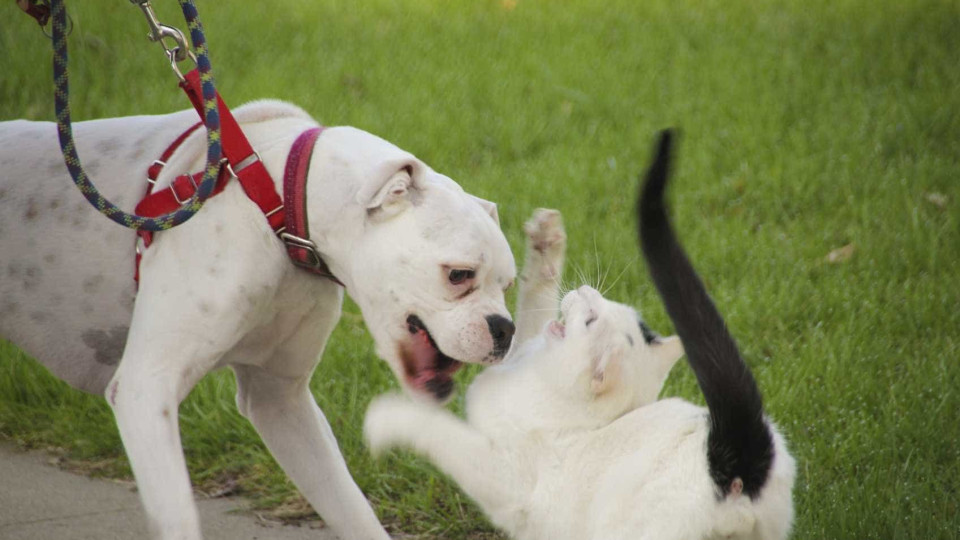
{"x": 425, "y": 261}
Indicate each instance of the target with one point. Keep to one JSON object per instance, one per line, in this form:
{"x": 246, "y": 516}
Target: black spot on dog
{"x": 126, "y": 301}
{"x": 107, "y": 345}
{"x": 108, "y": 147}
{"x": 32, "y": 210}
{"x": 32, "y": 277}
{"x": 9, "y": 307}
{"x": 56, "y": 168}
{"x": 92, "y": 284}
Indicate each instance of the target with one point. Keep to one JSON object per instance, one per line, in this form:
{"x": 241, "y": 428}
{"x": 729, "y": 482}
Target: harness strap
{"x": 241, "y": 162}
{"x": 153, "y": 172}
{"x": 244, "y": 162}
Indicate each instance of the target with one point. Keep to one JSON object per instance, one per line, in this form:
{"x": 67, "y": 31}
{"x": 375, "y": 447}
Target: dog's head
{"x": 425, "y": 261}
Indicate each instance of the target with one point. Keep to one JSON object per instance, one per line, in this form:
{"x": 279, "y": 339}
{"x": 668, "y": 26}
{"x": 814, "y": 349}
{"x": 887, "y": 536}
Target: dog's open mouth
{"x": 426, "y": 368}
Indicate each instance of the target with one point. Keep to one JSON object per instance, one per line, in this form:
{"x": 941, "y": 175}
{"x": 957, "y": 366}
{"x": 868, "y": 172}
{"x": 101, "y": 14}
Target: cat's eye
{"x": 648, "y": 334}
{"x": 591, "y": 319}
{"x": 458, "y": 276}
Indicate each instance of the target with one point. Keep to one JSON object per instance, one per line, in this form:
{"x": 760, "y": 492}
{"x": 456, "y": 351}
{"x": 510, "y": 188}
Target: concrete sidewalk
{"x": 41, "y": 502}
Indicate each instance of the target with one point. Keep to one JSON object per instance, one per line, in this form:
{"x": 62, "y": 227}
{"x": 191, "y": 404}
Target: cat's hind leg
{"x": 538, "y": 297}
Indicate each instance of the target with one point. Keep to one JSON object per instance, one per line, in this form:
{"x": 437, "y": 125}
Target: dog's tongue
{"x": 424, "y": 357}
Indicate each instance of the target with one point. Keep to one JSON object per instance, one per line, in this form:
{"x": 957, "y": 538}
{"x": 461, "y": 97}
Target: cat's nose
{"x": 588, "y": 292}
{"x": 501, "y": 330}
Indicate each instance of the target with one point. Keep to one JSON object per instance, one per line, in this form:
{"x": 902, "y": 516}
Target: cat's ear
{"x": 667, "y": 350}
{"x": 606, "y": 370}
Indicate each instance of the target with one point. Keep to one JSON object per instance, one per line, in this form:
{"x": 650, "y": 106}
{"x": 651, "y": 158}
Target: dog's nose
{"x": 501, "y": 329}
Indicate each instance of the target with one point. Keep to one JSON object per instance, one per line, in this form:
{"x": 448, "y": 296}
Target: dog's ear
{"x": 489, "y": 207}
{"x": 393, "y": 197}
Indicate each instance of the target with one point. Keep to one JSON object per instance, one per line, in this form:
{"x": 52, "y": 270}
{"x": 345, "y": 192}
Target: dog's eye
{"x": 458, "y": 276}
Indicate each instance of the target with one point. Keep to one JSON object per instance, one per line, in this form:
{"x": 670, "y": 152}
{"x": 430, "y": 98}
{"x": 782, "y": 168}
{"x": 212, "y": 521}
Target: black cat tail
{"x": 740, "y": 445}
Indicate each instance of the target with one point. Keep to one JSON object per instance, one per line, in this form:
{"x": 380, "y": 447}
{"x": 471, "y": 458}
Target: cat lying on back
{"x": 565, "y": 439}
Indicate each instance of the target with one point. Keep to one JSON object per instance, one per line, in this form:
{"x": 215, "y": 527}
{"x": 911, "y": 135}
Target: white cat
{"x": 565, "y": 439}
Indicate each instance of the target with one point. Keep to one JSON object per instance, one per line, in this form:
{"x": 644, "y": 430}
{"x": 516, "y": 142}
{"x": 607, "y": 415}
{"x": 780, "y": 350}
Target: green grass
{"x": 807, "y": 126}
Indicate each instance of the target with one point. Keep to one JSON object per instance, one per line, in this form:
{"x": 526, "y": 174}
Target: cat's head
{"x": 603, "y": 353}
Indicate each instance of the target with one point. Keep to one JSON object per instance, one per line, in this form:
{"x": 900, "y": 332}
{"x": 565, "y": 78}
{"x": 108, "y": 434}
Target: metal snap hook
{"x": 159, "y": 32}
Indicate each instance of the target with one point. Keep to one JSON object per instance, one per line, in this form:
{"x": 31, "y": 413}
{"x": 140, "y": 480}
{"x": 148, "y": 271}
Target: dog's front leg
{"x": 298, "y": 435}
{"x": 153, "y": 378}
{"x": 145, "y": 406}
{"x": 185, "y": 319}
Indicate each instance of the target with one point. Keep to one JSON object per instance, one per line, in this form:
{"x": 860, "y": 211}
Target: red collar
{"x": 295, "y": 233}
{"x": 242, "y": 163}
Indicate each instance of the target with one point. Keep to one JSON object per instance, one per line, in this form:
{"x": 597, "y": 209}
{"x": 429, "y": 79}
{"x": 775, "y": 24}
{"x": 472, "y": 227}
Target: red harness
{"x": 287, "y": 217}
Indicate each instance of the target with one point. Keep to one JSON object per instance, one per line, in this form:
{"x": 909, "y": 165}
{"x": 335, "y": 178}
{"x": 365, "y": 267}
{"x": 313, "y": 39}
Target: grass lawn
{"x": 808, "y": 126}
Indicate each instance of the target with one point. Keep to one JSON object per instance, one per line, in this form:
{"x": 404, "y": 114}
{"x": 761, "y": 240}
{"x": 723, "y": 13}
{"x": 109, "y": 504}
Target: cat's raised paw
{"x": 546, "y": 243}
{"x": 545, "y": 230}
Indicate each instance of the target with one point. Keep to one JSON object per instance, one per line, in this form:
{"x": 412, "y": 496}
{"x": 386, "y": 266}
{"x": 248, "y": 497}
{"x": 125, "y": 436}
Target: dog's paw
{"x": 546, "y": 244}
{"x": 389, "y": 422}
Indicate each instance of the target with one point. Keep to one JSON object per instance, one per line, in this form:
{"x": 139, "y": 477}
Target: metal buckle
{"x": 244, "y": 163}
{"x": 305, "y": 244}
{"x": 248, "y": 161}
{"x": 196, "y": 188}
{"x": 274, "y": 211}
{"x": 161, "y": 164}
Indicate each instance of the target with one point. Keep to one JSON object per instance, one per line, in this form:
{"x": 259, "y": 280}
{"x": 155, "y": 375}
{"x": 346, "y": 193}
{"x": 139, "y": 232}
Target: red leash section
{"x": 287, "y": 217}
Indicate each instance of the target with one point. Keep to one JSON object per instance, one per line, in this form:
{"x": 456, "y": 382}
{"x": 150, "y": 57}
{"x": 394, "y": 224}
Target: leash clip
{"x": 180, "y": 50}
{"x": 36, "y": 9}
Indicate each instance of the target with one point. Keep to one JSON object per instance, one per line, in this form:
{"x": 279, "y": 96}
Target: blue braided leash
{"x": 65, "y": 132}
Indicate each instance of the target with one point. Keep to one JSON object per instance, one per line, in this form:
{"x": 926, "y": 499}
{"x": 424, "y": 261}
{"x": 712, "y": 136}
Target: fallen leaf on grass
{"x": 295, "y": 510}
{"x": 222, "y": 488}
{"x": 841, "y": 254}
{"x": 937, "y": 199}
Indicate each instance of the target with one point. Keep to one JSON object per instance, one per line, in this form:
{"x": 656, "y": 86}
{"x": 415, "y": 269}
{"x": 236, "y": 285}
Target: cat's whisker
{"x": 629, "y": 265}
{"x": 596, "y": 257}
